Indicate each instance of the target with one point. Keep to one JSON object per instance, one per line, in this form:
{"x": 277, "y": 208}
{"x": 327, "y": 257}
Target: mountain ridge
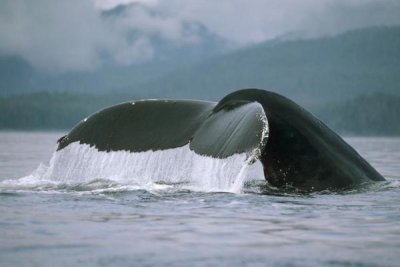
{"x": 310, "y": 71}
{"x": 337, "y": 67}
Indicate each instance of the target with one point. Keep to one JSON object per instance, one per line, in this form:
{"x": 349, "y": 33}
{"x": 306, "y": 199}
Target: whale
{"x": 294, "y": 147}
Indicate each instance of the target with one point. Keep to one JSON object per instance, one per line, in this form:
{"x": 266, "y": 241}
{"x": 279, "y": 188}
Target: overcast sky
{"x": 73, "y": 34}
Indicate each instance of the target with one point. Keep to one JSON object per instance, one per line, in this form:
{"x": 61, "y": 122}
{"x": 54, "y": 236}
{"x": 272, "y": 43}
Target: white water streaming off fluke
{"x": 84, "y": 168}
{"x": 150, "y": 170}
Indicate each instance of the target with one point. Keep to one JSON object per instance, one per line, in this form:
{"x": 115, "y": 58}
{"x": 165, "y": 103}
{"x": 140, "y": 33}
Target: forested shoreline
{"x": 50, "y": 110}
{"x": 367, "y": 114}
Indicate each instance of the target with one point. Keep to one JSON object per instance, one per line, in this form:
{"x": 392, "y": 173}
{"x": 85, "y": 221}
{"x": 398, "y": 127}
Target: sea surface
{"x": 107, "y": 223}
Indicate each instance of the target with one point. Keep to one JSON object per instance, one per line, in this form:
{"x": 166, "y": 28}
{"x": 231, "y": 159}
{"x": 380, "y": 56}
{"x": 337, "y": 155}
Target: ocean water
{"x": 173, "y": 208}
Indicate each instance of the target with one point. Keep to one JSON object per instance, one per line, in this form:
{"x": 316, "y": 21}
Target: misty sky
{"x": 73, "y": 35}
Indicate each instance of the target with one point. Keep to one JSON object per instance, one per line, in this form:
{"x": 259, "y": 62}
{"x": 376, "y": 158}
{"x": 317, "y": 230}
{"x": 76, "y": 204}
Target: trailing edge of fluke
{"x": 294, "y": 147}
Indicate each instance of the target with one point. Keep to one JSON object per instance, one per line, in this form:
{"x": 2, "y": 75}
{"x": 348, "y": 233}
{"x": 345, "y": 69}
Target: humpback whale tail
{"x": 293, "y": 146}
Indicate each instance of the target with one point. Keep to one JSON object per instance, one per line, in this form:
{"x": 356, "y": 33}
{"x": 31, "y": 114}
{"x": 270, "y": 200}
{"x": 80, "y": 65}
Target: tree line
{"x": 366, "y": 114}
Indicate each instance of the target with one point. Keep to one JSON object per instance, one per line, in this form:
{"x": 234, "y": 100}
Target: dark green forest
{"x": 369, "y": 114}
{"x": 46, "y": 110}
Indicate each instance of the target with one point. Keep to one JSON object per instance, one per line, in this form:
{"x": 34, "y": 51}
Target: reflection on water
{"x": 108, "y": 224}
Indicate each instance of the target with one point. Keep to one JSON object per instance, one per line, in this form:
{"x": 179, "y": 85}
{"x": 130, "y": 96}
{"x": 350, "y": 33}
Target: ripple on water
{"x": 108, "y": 222}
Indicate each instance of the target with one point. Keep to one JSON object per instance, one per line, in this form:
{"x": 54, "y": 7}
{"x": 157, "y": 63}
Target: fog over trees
{"x": 351, "y": 81}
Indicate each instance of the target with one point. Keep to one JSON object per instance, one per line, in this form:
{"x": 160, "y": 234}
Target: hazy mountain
{"x": 18, "y": 76}
{"x": 310, "y": 71}
{"x": 351, "y": 81}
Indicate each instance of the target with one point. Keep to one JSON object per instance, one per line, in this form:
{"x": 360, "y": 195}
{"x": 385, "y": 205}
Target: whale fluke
{"x": 294, "y": 147}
